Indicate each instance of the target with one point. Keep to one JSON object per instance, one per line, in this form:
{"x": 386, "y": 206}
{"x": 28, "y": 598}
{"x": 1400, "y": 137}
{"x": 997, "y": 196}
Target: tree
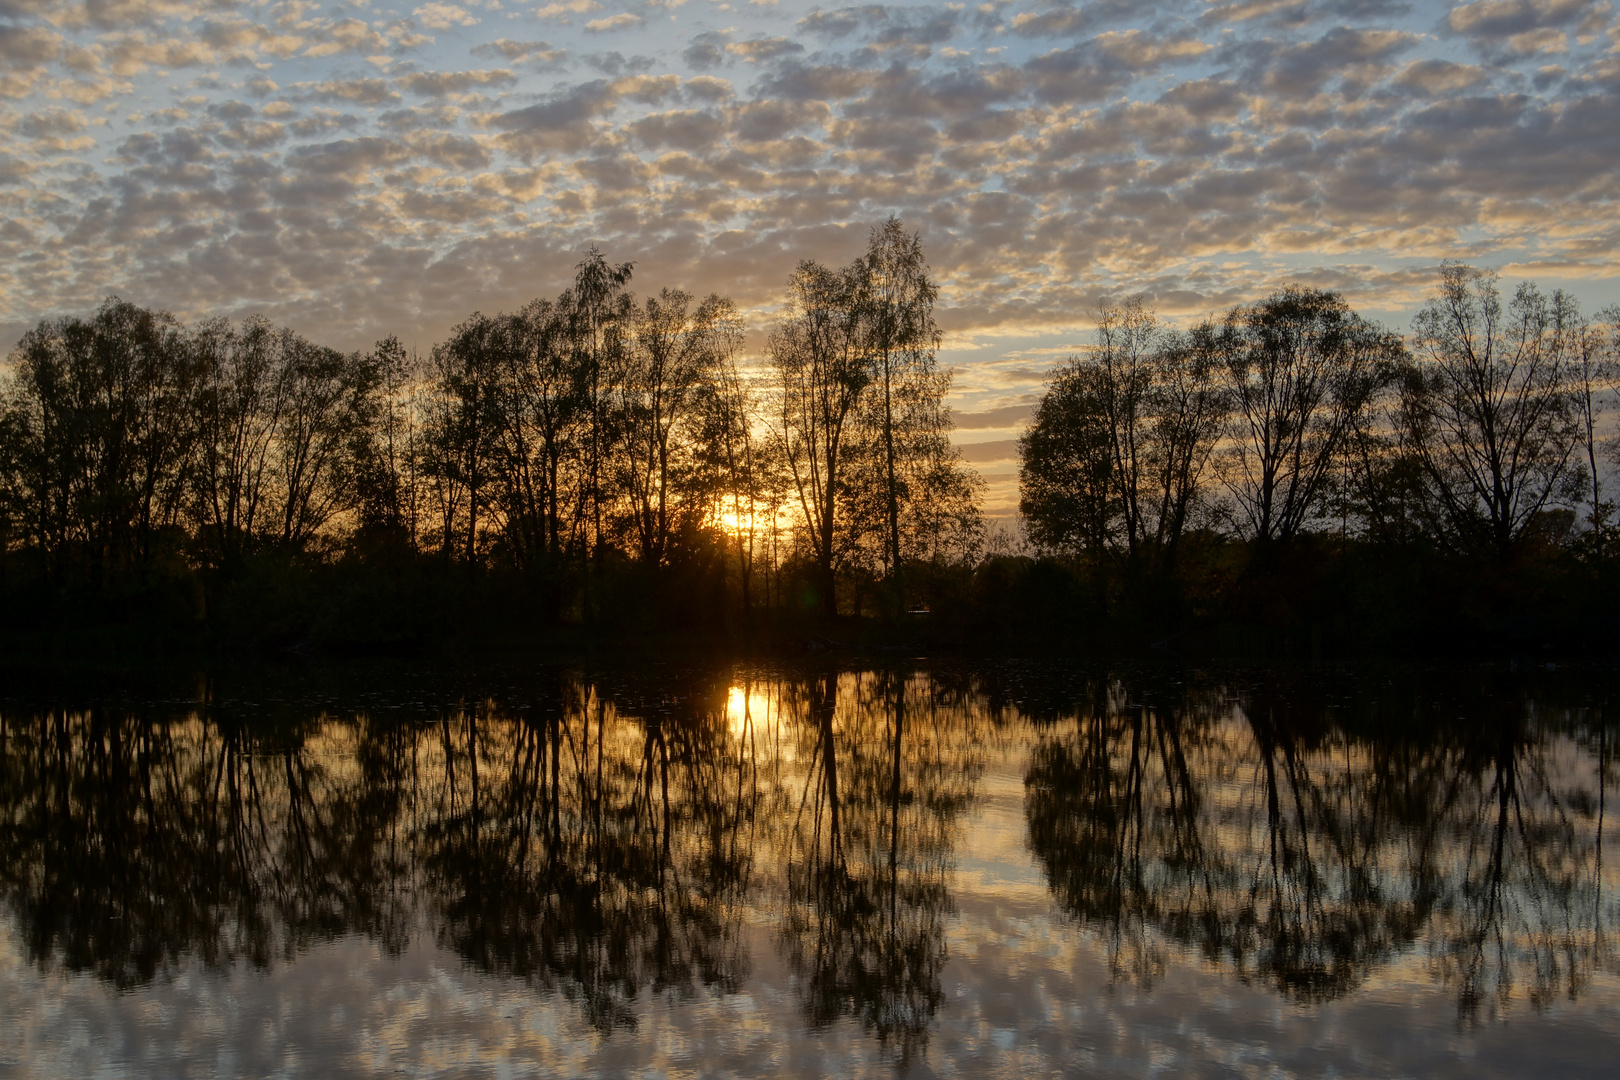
{"x": 100, "y": 418}
{"x": 330, "y": 408}
{"x": 1487, "y": 410}
{"x": 1115, "y": 458}
{"x": 599, "y": 309}
{"x": 386, "y": 491}
{"x": 593, "y": 428}
{"x": 290, "y": 433}
{"x": 1302, "y": 368}
{"x": 548, "y": 423}
{"x": 821, "y": 373}
{"x": 1066, "y": 463}
{"x": 896, "y": 298}
{"x": 1188, "y": 408}
{"x": 463, "y": 426}
{"x": 743, "y": 462}
{"x": 1594, "y": 375}
{"x": 1124, "y": 362}
{"x": 861, "y": 417}
{"x": 672, "y": 367}
{"x": 241, "y": 412}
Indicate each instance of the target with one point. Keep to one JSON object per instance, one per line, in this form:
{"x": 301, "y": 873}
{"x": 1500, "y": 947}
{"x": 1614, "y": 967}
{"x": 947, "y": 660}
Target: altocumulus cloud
{"x": 355, "y": 173}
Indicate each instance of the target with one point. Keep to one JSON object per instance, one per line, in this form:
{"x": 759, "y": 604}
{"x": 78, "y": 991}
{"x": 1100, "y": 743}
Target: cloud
{"x": 54, "y": 121}
{"x": 28, "y": 47}
{"x": 764, "y": 50}
{"x": 1434, "y": 77}
{"x": 1104, "y": 65}
{"x": 766, "y": 121}
{"x": 1004, "y": 417}
{"x": 358, "y": 91}
{"x": 624, "y": 20}
{"x": 457, "y": 152}
{"x": 562, "y": 10}
{"x": 1306, "y": 67}
{"x": 560, "y": 122}
{"x": 706, "y": 52}
{"x": 443, "y": 83}
{"x": 883, "y": 26}
{"x": 348, "y": 158}
{"x": 441, "y": 16}
{"x": 795, "y": 80}
{"x": 1485, "y": 19}
{"x": 349, "y": 35}
{"x": 615, "y": 64}
{"x": 692, "y": 130}
{"x": 539, "y": 54}
{"x": 1063, "y": 20}
{"x": 986, "y": 452}
{"x": 1284, "y": 12}
{"x": 708, "y": 88}
{"x": 1053, "y": 154}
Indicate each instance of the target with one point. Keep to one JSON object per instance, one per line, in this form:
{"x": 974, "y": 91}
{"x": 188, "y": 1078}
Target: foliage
{"x": 859, "y": 418}
{"x": 1437, "y": 500}
{"x": 1281, "y": 474}
{"x": 1115, "y": 460}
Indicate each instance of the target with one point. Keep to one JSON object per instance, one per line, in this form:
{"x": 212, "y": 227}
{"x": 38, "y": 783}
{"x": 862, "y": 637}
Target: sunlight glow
{"x": 748, "y": 707}
{"x": 739, "y": 515}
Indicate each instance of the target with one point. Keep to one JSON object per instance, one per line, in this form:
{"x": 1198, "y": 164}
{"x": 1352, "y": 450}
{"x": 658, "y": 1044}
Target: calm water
{"x": 1018, "y": 870}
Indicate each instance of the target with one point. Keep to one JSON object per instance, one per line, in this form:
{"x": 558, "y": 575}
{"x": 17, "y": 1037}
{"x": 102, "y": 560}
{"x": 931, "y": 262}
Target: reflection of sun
{"x": 743, "y": 709}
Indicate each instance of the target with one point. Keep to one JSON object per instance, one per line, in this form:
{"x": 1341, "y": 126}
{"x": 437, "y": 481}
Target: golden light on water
{"x": 749, "y": 712}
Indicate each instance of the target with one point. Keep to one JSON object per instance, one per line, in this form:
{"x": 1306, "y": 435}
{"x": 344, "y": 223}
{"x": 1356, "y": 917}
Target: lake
{"x": 1018, "y": 869}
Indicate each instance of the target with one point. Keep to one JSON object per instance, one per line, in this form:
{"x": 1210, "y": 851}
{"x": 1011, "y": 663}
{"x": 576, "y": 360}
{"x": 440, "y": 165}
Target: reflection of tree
{"x": 1327, "y": 905}
{"x": 589, "y": 850}
{"x": 1093, "y": 811}
{"x": 607, "y": 844}
{"x": 128, "y": 842}
{"x": 1303, "y": 852}
{"x": 1525, "y": 908}
{"x": 594, "y": 852}
{"x": 869, "y": 850}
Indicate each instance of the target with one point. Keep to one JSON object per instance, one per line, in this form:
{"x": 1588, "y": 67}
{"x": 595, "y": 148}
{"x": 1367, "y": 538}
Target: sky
{"x": 357, "y": 170}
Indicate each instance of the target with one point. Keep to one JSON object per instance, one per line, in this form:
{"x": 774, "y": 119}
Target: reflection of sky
{"x": 1027, "y": 993}
{"x": 1025, "y": 996}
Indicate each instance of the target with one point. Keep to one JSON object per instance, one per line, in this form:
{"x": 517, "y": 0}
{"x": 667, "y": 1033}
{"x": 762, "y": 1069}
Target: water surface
{"x": 1019, "y": 870}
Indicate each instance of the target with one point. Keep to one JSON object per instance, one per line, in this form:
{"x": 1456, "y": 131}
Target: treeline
{"x": 1285, "y": 475}
{"x": 1292, "y": 465}
{"x": 595, "y": 458}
